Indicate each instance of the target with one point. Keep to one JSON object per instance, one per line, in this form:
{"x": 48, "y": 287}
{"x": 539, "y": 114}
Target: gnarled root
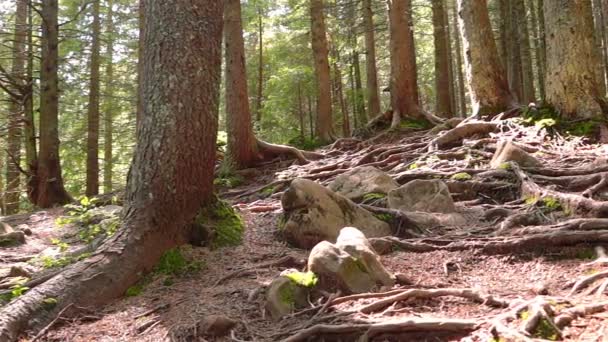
{"x": 303, "y": 157}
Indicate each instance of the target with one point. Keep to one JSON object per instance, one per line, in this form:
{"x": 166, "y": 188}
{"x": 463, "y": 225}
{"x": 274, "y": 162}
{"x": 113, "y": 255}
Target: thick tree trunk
{"x": 29, "y": 130}
{"x": 542, "y": 40}
{"x": 572, "y": 85}
{"x": 172, "y": 172}
{"x": 462, "y": 100}
{"x": 47, "y": 181}
{"x": 538, "y": 46}
{"x": 242, "y": 147}
{"x": 140, "y": 62}
{"x": 442, "y": 61}
{"x": 92, "y": 183}
{"x": 359, "y": 96}
{"x": 600, "y": 42}
{"x": 108, "y": 159}
{"x": 16, "y": 110}
{"x": 487, "y": 83}
{"x": 403, "y": 72}
{"x": 373, "y": 96}
{"x": 527, "y": 73}
{"x": 503, "y": 29}
{"x": 514, "y": 74}
{"x": 324, "y": 129}
{"x": 260, "y": 94}
{"x": 412, "y": 51}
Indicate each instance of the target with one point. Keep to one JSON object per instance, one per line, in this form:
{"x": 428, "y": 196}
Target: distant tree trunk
{"x": 462, "y": 100}
{"x": 359, "y": 97}
{"x": 412, "y": 51}
{"x": 93, "y": 109}
{"x": 324, "y": 129}
{"x": 403, "y": 72}
{"x": 486, "y": 78}
{"x": 353, "y": 97}
{"x": 572, "y": 85}
{"x": 528, "y": 90}
{"x": 108, "y": 158}
{"x": 373, "y": 96}
{"x": 260, "y": 95}
{"x": 514, "y": 69}
{"x": 339, "y": 93}
{"x": 16, "y": 110}
{"x": 600, "y": 41}
{"x": 301, "y": 112}
{"x": 172, "y": 172}
{"x": 604, "y": 6}
{"x": 140, "y": 65}
{"x": 47, "y": 182}
{"x": 242, "y": 146}
{"x": 29, "y": 130}
{"x": 448, "y": 39}
{"x": 543, "y": 45}
{"x": 442, "y": 61}
{"x": 538, "y": 47}
{"x": 311, "y": 123}
{"x": 503, "y": 47}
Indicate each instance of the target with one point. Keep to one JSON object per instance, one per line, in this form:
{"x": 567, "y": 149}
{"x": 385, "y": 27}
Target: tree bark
{"x": 542, "y": 40}
{"x": 571, "y": 81}
{"x": 172, "y": 171}
{"x": 359, "y": 96}
{"x": 108, "y": 159}
{"x": 47, "y": 181}
{"x": 412, "y": 52}
{"x": 92, "y": 182}
{"x": 260, "y": 95}
{"x": 339, "y": 93}
{"x": 487, "y": 83}
{"x": 442, "y": 62}
{"x": 538, "y": 46}
{"x": 514, "y": 69}
{"x": 242, "y": 147}
{"x": 600, "y": 42}
{"x": 324, "y": 129}
{"x": 527, "y": 73}
{"x": 462, "y": 100}
{"x": 29, "y": 130}
{"x": 373, "y": 96}
{"x": 16, "y": 110}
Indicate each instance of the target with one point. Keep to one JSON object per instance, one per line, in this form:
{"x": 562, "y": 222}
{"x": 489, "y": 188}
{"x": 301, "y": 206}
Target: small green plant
{"x": 546, "y": 330}
{"x": 585, "y": 254}
{"x": 551, "y": 203}
{"x": 228, "y": 180}
{"x": 172, "y": 262}
{"x": 414, "y": 166}
{"x": 373, "y": 196}
{"x": 267, "y": 192}
{"x": 531, "y": 200}
{"x": 228, "y": 226}
{"x": 384, "y": 217}
{"x": 63, "y": 246}
{"x": 306, "y": 279}
{"x": 461, "y": 176}
{"x": 135, "y": 290}
{"x": 49, "y": 303}
{"x": 505, "y": 166}
{"x": 415, "y": 124}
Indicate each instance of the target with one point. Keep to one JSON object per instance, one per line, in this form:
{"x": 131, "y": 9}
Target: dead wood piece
{"x": 368, "y": 295}
{"x": 147, "y": 325}
{"x": 540, "y": 311}
{"x": 462, "y": 131}
{"x": 286, "y": 261}
{"x": 583, "y": 283}
{"x": 153, "y": 310}
{"x": 569, "y": 315}
{"x": 519, "y": 220}
{"x": 570, "y": 225}
{"x": 589, "y": 193}
{"x": 50, "y": 325}
{"x": 434, "y": 293}
{"x": 431, "y": 325}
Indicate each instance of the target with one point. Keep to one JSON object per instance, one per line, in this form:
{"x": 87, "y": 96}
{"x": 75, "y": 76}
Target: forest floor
{"x": 497, "y": 256}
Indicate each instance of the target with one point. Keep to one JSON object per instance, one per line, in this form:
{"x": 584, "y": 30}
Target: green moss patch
{"x": 306, "y": 279}
{"x": 461, "y": 176}
{"x": 226, "y": 223}
{"x": 373, "y": 196}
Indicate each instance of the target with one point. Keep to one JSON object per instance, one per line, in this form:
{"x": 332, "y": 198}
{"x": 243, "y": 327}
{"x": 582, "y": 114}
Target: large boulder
{"x": 507, "y": 151}
{"x": 314, "y": 213}
{"x": 431, "y": 196}
{"x": 350, "y": 265}
{"x": 360, "y": 181}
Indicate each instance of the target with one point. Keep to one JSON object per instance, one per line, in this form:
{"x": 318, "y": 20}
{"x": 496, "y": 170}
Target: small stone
{"x": 216, "y": 325}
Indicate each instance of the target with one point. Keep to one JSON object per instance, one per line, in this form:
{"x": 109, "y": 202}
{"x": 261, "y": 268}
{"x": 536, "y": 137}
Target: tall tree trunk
{"x": 572, "y": 85}
{"x": 542, "y": 41}
{"x": 260, "y": 95}
{"x": 442, "y": 61}
{"x": 462, "y": 100}
{"x": 528, "y": 90}
{"x": 514, "y": 74}
{"x": 108, "y": 157}
{"x": 140, "y": 62}
{"x": 503, "y": 47}
{"x": 311, "y": 123}
{"x": 600, "y": 41}
{"x": 403, "y": 72}
{"x": 301, "y": 112}
{"x": 487, "y": 83}
{"x": 242, "y": 147}
{"x": 93, "y": 110}
{"x": 540, "y": 67}
{"x": 448, "y": 39}
{"x": 47, "y": 182}
{"x": 172, "y": 171}
{"x": 412, "y": 51}
{"x": 359, "y": 96}
{"x": 373, "y": 96}
{"x": 29, "y": 130}
{"x": 339, "y": 93}
{"x": 324, "y": 128}
{"x": 16, "y": 110}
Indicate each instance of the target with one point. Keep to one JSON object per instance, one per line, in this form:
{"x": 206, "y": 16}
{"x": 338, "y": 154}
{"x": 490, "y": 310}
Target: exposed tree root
{"x": 586, "y": 281}
{"x": 372, "y": 329}
{"x": 569, "y": 315}
{"x": 462, "y": 131}
{"x": 401, "y": 224}
{"x": 303, "y": 157}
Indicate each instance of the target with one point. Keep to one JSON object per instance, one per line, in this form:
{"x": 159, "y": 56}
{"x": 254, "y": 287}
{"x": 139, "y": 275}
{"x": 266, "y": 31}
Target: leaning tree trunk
{"x": 46, "y": 182}
{"x": 242, "y": 147}
{"x": 571, "y": 79}
{"x": 488, "y": 86}
{"x": 443, "y": 97}
{"x": 320, "y": 53}
{"x": 172, "y": 171}
{"x": 16, "y": 110}
{"x": 373, "y": 97}
{"x": 92, "y": 182}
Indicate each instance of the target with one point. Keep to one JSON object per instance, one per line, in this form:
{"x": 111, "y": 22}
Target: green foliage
{"x": 135, "y": 290}
{"x": 546, "y": 330}
{"x": 543, "y": 117}
{"x": 373, "y": 196}
{"x": 17, "y": 290}
{"x": 266, "y": 192}
{"x": 551, "y": 203}
{"x": 174, "y": 263}
{"x": 306, "y": 279}
{"x": 384, "y": 217}
{"x": 305, "y": 143}
{"x": 582, "y": 128}
{"x": 226, "y": 222}
{"x": 63, "y": 246}
{"x": 49, "y": 303}
{"x": 462, "y": 176}
{"x": 505, "y": 166}
{"x": 228, "y": 180}
{"x": 585, "y": 254}
{"x": 418, "y": 124}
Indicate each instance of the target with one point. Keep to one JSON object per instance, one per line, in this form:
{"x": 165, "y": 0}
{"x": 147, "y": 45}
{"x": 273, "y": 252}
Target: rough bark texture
{"x": 462, "y": 100}
{"x": 16, "y": 110}
{"x": 260, "y": 95}
{"x": 172, "y": 172}
{"x": 108, "y": 162}
{"x": 324, "y": 128}
{"x": 338, "y": 93}
{"x": 486, "y": 78}
{"x": 571, "y": 84}
{"x": 373, "y": 97}
{"x": 403, "y": 72}
{"x": 92, "y": 182}
{"x": 514, "y": 74}
{"x": 242, "y": 147}
{"x": 359, "y": 96}
{"x": 47, "y": 182}
{"x": 538, "y": 49}
{"x": 442, "y": 61}
{"x": 599, "y": 38}
{"x": 29, "y": 129}
{"x": 527, "y": 74}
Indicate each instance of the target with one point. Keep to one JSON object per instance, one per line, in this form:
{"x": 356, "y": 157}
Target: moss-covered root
{"x": 217, "y": 225}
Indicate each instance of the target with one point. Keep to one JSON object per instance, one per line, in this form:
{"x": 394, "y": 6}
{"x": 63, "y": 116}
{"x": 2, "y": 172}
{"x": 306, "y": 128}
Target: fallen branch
{"x": 50, "y": 325}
